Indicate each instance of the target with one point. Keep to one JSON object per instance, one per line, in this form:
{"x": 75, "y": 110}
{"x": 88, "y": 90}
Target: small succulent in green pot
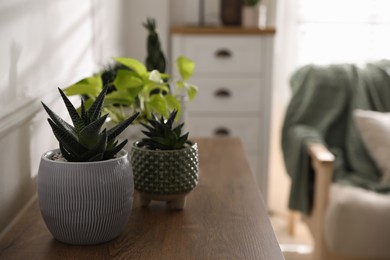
{"x": 165, "y": 162}
{"x": 161, "y": 134}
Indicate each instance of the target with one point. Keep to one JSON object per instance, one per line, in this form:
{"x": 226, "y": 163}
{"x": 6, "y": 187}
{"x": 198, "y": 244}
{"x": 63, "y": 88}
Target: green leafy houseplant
{"x": 134, "y": 86}
{"x": 165, "y": 162}
{"x": 85, "y": 141}
{"x": 135, "y": 89}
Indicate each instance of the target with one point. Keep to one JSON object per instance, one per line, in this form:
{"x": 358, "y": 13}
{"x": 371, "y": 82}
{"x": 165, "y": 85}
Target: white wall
{"x": 45, "y": 44}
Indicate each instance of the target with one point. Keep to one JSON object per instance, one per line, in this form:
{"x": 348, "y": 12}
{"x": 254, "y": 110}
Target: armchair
{"x": 336, "y": 182}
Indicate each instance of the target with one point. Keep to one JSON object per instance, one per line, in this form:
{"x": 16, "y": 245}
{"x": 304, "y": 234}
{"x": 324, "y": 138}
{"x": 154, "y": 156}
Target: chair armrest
{"x": 320, "y": 153}
{"x": 322, "y": 162}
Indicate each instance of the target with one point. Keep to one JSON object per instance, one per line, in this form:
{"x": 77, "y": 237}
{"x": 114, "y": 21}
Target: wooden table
{"x": 224, "y": 218}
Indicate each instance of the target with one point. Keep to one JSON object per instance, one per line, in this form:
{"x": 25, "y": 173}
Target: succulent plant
{"x": 155, "y": 59}
{"x": 85, "y": 141}
{"x": 161, "y": 134}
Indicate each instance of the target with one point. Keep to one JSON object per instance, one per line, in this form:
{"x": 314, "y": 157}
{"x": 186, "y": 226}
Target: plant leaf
{"x": 171, "y": 118}
{"x": 96, "y": 157}
{"x": 76, "y": 119}
{"x": 96, "y": 152}
{"x": 177, "y": 129}
{"x": 158, "y": 104}
{"x": 133, "y": 64}
{"x": 66, "y": 139}
{"x": 59, "y": 121}
{"x": 151, "y": 85}
{"x": 126, "y": 79}
{"x": 116, "y": 130}
{"x": 68, "y": 156}
{"x": 95, "y": 110}
{"x": 111, "y": 153}
{"x": 192, "y": 91}
{"x": 183, "y": 138}
{"x": 185, "y": 67}
{"x": 118, "y": 98}
{"x": 89, "y": 135}
{"x": 91, "y": 86}
{"x": 173, "y": 104}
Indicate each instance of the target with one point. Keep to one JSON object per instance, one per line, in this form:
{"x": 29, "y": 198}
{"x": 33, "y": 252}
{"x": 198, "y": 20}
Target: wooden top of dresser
{"x": 222, "y": 30}
{"x": 225, "y": 218}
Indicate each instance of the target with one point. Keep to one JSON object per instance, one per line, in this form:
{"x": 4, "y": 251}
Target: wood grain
{"x": 218, "y": 30}
{"x": 224, "y": 218}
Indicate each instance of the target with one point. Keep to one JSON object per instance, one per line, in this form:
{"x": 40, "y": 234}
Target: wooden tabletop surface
{"x": 224, "y": 218}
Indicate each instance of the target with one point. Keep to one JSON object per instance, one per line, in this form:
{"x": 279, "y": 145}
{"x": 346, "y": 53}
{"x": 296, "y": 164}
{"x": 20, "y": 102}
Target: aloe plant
{"x": 85, "y": 140}
{"x": 161, "y": 134}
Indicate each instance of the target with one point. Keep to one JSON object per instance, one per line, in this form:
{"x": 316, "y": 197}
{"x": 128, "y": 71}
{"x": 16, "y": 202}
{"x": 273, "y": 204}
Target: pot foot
{"x": 174, "y": 201}
{"x": 178, "y": 203}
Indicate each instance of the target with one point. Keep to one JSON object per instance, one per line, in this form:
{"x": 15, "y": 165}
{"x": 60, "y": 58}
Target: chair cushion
{"x": 374, "y": 128}
{"x": 357, "y": 222}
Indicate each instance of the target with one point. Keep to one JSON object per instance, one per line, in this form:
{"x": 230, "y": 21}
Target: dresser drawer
{"x": 224, "y": 54}
{"x": 247, "y": 128}
{"x": 227, "y": 95}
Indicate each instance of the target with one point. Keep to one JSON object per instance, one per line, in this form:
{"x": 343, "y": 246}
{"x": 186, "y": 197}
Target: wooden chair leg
{"x": 292, "y": 218}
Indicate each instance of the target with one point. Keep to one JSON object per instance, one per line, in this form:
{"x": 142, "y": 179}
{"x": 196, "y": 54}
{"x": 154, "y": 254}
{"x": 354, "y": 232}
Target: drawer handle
{"x": 223, "y": 54}
{"x": 222, "y": 131}
{"x": 223, "y": 93}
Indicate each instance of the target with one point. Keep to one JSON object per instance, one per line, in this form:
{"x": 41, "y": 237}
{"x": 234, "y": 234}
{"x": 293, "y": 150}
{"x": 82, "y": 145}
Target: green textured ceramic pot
{"x": 165, "y": 175}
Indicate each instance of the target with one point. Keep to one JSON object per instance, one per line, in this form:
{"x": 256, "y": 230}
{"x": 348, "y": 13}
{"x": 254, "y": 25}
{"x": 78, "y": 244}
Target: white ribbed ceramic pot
{"x": 85, "y": 203}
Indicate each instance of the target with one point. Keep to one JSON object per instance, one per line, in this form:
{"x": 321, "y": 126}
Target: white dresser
{"x": 233, "y": 72}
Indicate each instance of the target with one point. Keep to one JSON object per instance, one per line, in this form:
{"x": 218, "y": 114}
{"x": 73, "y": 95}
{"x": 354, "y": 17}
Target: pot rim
{"x": 122, "y": 154}
{"x": 135, "y": 147}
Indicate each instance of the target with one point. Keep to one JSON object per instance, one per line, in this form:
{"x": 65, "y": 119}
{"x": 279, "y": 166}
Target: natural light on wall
{"x": 343, "y": 31}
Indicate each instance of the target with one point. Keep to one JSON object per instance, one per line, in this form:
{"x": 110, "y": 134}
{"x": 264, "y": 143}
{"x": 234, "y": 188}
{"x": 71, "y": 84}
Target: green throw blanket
{"x": 320, "y": 110}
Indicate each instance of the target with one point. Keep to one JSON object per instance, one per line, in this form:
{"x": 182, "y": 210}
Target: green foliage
{"x": 161, "y": 134}
{"x": 186, "y": 68}
{"x": 251, "y": 2}
{"x": 133, "y": 86}
{"x": 138, "y": 89}
{"x": 155, "y": 59}
{"x": 85, "y": 141}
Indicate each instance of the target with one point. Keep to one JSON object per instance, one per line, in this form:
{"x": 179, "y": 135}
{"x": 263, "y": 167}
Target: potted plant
{"x": 253, "y": 14}
{"x": 134, "y": 86}
{"x": 85, "y": 188}
{"x": 165, "y": 163}
{"x": 155, "y": 59}
{"x": 133, "y": 89}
